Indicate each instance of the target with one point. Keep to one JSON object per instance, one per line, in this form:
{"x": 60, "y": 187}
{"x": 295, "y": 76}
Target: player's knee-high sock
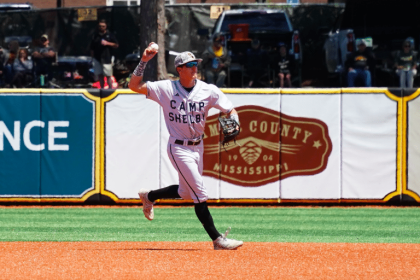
{"x": 203, "y": 214}
{"x": 168, "y": 192}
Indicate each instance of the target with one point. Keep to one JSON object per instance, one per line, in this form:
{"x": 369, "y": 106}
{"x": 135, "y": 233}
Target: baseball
{"x": 154, "y": 46}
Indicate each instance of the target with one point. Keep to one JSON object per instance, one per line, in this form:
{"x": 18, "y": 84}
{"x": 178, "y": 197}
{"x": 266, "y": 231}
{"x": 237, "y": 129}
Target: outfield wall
{"x": 296, "y": 145}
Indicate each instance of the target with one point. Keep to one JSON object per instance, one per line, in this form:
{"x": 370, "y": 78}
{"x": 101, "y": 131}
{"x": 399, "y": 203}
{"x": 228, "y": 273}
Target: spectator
{"x": 10, "y": 56}
{"x": 216, "y": 60}
{"x": 358, "y": 65}
{"x": 285, "y": 66}
{"x": 22, "y": 68}
{"x": 255, "y": 61}
{"x": 44, "y": 56}
{"x": 2, "y": 62}
{"x": 102, "y": 45}
{"x": 406, "y": 63}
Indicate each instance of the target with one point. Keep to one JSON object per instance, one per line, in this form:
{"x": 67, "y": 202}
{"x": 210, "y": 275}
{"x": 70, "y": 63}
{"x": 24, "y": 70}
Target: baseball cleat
{"x": 223, "y": 243}
{"x": 147, "y": 204}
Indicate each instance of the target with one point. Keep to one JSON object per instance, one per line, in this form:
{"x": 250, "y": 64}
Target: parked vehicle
{"x": 269, "y": 26}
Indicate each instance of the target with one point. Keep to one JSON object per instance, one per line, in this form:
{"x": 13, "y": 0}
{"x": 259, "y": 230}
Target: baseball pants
{"x": 188, "y": 162}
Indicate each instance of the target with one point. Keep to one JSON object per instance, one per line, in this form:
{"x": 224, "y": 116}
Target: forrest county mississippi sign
{"x": 273, "y": 146}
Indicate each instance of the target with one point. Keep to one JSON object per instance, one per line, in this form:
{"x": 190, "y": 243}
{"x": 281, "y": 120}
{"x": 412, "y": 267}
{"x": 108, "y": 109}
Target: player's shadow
{"x": 161, "y": 249}
{"x": 140, "y": 249}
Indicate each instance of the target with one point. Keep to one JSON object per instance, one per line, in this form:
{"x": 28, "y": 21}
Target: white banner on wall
{"x": 413, "y": 143}
{"x": 369, "y": 145}
{"x": 132, "y": 139}
{"x": 326, "y": 108}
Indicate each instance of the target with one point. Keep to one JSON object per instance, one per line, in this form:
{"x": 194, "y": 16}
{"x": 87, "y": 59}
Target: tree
{"x": 152, "y": 23}
{"x": 161, "y": 70}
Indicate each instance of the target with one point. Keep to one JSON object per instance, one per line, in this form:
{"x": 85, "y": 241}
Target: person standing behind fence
{"x": 44, "y": 56}
{"x": 101, "y": 48}
{"x": 216, "y": 60}
{"x": 405, "y": 64}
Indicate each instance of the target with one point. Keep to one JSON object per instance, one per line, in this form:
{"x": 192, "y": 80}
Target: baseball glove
{"x": 228, "y": 126}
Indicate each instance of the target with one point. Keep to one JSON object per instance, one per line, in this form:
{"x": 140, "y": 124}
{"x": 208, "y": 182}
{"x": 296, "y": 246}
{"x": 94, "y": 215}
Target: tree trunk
{"x": 162, "y": 73}
{"x": 148, "y": 33}
{"x": 152, "y": 23}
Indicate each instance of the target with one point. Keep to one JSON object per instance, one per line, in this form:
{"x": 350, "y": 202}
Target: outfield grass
{"x": 251, "y": 224}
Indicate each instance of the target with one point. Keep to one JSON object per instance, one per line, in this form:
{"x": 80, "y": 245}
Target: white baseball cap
{"x": 184, "y": 58}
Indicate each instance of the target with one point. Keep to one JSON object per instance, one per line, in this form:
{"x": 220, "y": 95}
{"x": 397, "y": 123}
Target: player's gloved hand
{"x": 230, "y": 129}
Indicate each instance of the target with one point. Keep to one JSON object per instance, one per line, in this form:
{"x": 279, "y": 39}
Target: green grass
{"x": 252, "y": 224}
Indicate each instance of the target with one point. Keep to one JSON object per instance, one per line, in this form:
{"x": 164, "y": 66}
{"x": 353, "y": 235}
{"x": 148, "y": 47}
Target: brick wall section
{"x": 82, "y": 3}
{"x": 224, "y": 2}
{"x": 52, "y": 4}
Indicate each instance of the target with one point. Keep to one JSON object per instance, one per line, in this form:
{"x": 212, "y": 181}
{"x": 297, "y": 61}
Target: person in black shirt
{"x": 102, "y": 45}
{"x": 285, "y": 66}
{"x": 44, "y": 56}
{"x": 359, "y": 64}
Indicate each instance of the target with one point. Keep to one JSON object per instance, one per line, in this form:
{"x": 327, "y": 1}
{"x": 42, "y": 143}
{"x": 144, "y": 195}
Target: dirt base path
{"x": 198, "y": 260}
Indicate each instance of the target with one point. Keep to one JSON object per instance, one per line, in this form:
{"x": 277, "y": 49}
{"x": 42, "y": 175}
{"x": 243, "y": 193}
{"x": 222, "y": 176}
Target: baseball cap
{"x": 185, "y": 57}
{"x": 44, "y": 36}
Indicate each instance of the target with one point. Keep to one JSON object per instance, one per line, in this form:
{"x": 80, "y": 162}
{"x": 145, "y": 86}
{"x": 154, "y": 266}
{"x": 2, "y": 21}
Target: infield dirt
{"x": 198, "y": 260}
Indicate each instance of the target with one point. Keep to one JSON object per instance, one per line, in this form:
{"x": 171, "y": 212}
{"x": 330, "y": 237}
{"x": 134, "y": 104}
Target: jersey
{"x": 186, "y": 112}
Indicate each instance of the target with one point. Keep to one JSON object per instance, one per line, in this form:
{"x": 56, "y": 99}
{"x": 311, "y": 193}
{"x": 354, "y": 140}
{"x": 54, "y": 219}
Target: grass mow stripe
{"x": 251, "y": 224}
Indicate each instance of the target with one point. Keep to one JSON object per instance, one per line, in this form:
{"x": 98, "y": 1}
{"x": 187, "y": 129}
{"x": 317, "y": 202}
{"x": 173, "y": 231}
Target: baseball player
{"x": 185, "y": 105}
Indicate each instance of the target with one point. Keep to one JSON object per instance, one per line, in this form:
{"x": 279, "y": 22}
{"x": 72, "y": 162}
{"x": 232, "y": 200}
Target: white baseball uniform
{"x": 185, "y": 115}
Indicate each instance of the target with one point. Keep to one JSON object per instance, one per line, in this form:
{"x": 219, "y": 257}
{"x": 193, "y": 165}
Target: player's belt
{"x": 189, "y": 143}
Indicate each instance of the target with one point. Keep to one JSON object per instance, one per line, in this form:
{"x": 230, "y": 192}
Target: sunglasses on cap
{"x": 191, "y": 64}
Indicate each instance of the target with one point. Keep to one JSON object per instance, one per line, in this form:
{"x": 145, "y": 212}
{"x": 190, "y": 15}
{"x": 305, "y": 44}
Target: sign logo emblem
{"x": 273, "y": 146}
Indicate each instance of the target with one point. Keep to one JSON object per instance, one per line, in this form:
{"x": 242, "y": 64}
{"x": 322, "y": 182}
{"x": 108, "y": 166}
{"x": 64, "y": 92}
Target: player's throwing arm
{"x": 136, "y": 82}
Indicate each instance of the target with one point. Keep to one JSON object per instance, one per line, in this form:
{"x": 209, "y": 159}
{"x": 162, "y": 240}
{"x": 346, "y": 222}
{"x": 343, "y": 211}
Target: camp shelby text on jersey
{"x": 190, "y": 107}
